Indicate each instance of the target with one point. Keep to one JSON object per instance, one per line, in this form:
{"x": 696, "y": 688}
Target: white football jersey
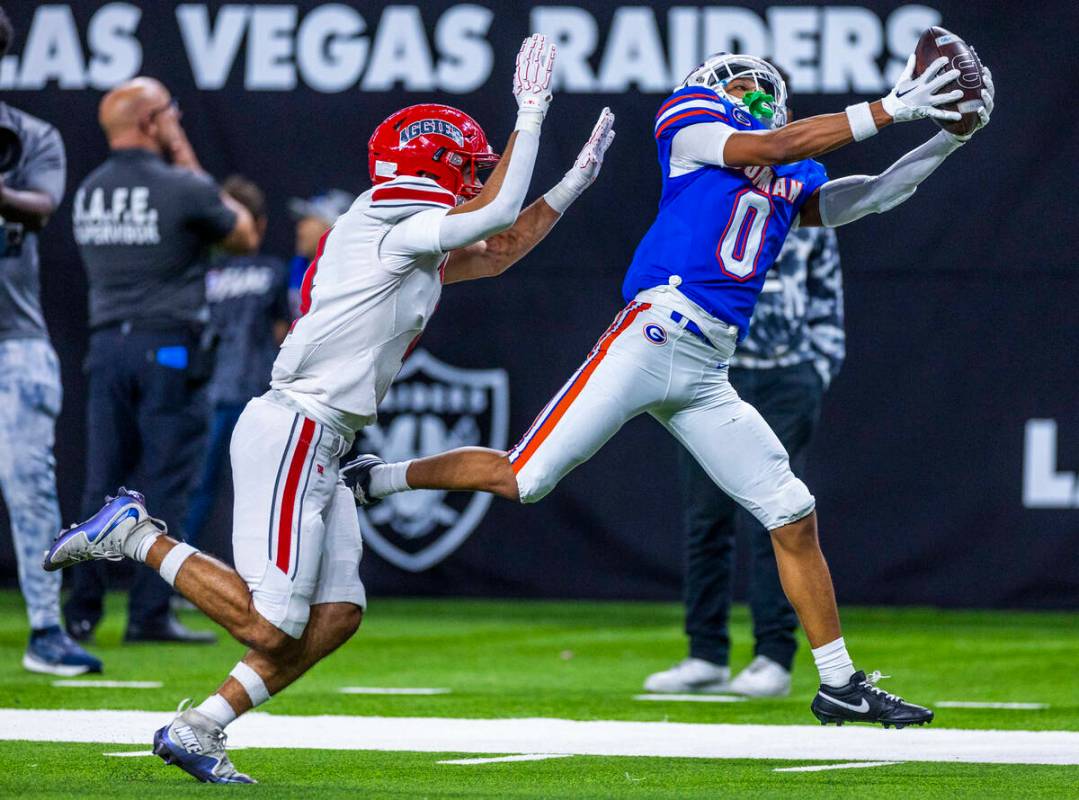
{"x": 365, "y": 300}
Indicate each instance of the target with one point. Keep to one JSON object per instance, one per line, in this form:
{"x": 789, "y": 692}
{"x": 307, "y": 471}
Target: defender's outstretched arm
{"x": 495, "y": 255}
{"x": 500, "y": 201}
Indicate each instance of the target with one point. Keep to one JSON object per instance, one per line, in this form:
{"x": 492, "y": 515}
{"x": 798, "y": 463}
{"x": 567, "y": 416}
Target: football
{"x": 937, "y": 42}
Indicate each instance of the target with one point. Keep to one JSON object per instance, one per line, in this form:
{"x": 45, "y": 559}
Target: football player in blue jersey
{"x": 736, "y": 178}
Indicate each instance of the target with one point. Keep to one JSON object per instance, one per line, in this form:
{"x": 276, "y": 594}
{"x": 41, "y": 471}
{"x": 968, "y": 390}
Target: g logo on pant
{"x": 655, "y": 334}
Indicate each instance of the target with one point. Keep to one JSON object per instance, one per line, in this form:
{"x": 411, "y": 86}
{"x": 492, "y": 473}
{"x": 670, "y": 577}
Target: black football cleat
{"x": 356, "y": 475}
{"x": 861, "y": 701}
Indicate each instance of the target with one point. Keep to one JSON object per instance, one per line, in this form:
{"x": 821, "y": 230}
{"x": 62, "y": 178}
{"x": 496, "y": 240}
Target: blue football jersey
{"x": 719, "y": 229}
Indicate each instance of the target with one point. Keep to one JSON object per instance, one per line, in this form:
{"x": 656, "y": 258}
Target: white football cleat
{"x": 690, "y": 675}
{"x": 762, "y": 678}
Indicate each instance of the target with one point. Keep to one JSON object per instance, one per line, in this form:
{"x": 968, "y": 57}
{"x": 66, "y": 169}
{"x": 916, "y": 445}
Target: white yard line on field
{"x": 826, "y": 767}
{"x": 691, "y": 698}
{"x": 594, "y": 737}
{"x": 464, "y": 762}
{"x": 76, "y": 684}
{"x": 390, "y": 690}
{"x": 973, "y": 704}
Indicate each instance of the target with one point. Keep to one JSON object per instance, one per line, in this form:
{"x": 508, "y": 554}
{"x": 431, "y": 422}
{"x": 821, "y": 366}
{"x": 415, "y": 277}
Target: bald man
{"x": 143, "y": 221}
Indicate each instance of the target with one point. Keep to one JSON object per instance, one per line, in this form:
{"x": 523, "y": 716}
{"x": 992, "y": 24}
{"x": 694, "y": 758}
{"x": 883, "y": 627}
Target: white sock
{"x": 218, "y": 709}
{"x": 144, "y": 545}
{"x": 140, "y": 540}
{"x": 389, "y": 478}
{"x": 833, "y": 663}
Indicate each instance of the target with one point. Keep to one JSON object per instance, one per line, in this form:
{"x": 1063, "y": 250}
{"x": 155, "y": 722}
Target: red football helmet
{"x": 434, "y": 141}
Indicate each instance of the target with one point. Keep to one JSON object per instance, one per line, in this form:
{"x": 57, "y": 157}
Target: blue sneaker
{"x": 104, "y": 534}
{"x": 53, "y": 652}
{"x": 196, "y": 744}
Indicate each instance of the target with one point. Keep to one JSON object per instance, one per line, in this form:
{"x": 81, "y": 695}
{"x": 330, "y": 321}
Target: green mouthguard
{"x": 759, "y": 104}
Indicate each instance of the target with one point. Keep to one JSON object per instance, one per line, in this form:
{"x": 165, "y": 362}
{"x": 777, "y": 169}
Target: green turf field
{"x": 578, "y": 661}
{"x": 80, "y": 771}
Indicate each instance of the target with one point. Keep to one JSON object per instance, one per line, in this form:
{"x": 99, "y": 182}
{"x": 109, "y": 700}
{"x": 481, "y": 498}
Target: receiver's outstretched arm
{"x": 910, "y": 99}
{"x": 845, "y": 200}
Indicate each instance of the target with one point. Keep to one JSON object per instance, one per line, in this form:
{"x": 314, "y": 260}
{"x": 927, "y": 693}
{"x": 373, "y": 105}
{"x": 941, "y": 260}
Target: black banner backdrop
{"x": 945, "y": 469}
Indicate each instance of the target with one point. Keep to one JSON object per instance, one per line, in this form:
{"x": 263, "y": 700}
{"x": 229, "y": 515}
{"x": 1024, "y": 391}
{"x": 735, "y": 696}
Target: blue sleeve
{"x": 297, "y": 268}
{"x": 692, "y": 106}
{"x": 817, "y": 176}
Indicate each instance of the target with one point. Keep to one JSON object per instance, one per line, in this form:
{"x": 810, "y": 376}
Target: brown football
{"x": 937, "y": 42}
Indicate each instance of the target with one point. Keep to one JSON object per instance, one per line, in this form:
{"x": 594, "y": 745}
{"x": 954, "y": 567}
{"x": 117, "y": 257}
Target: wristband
{"x": 560, "y": 196}
{"x": 860, "y": 119}
{"x": 529, "y": 120}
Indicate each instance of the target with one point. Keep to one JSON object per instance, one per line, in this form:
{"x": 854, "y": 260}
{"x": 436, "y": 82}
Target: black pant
{"x": 789, "y": 400}
{"x": 145, "y": 422}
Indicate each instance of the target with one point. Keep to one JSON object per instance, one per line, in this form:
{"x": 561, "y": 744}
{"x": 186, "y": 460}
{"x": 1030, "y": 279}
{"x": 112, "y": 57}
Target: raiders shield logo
{"x": 432, "y": 407}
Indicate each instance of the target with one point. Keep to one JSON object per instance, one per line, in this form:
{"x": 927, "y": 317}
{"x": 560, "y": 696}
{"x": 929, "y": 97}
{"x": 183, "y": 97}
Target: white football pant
{"x": 295, "y": 533}
{"x": 646, "y": 362}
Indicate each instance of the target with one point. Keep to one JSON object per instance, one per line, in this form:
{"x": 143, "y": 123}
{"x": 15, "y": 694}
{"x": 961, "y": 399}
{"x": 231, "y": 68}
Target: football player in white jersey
{"x": 296, "y": 595}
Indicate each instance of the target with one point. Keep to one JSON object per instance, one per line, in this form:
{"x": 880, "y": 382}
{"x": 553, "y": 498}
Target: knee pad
{"x": 791, "y": 502}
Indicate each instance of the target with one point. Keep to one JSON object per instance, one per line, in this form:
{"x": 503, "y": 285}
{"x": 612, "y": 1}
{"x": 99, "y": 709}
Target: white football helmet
{"x": 721, "y": 68}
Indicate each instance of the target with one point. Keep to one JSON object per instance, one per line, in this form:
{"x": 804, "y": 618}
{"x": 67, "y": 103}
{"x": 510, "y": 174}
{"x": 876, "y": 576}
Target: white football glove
{"x": 532, "y": 76}
{"x": 916, "y": 98}
{"x": 586, "y": 168}
{"x": 988, "y": 97}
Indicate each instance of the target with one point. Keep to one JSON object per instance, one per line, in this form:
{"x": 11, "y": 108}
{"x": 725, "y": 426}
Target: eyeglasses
{"x": 173, "y": 104}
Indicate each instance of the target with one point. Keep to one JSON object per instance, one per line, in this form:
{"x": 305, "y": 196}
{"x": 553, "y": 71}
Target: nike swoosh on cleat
{"x": 131, "y": 512}
{"x": 861, "y": 709}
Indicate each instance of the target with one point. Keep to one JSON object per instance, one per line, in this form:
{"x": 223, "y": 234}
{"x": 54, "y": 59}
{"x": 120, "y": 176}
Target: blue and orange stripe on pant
{"x": 546, "y": 422}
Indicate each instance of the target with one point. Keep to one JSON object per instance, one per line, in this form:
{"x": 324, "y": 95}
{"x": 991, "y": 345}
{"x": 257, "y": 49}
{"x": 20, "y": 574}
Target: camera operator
{"x": 143, "y": 221}
{"x": 32, "y": 166}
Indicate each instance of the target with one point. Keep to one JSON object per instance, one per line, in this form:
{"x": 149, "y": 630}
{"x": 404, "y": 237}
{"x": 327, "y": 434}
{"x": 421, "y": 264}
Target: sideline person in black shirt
{"x": 142, "y": 222}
